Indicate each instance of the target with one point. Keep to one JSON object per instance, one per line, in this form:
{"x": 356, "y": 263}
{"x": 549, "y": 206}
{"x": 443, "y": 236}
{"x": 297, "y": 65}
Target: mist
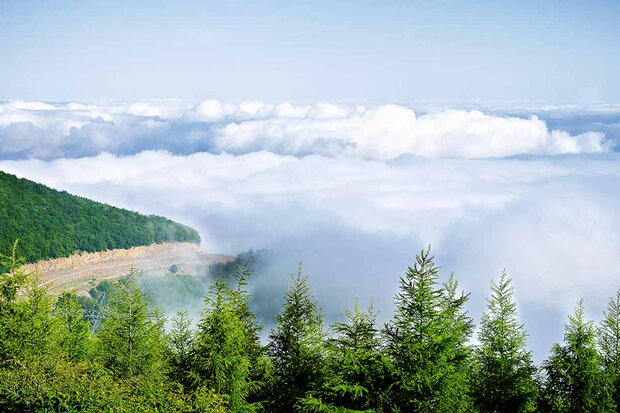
{"x": 354, "y": 192}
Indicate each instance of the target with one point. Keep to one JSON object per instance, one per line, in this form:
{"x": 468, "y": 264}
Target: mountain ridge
{"x": 53, "y": 224}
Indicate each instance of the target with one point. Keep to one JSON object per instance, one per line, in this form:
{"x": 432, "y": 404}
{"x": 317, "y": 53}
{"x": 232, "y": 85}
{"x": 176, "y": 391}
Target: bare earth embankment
{"x": 83, "y": 271}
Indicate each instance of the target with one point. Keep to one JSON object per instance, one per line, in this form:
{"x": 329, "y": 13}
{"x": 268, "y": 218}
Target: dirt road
{"x": 81, "y": 272}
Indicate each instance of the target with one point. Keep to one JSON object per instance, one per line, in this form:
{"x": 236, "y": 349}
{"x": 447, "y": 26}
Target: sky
{"x": 238, "y": 50}
{"x": 344, "y": 135}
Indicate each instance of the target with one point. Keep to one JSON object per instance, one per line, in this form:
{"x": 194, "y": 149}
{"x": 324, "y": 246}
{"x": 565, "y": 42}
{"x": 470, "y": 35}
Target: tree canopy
{"x": 52, "y": 224}
{"x": 118, "y": 353}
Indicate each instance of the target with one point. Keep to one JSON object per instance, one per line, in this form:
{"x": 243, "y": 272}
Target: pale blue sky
{"x": 562, "y": 51}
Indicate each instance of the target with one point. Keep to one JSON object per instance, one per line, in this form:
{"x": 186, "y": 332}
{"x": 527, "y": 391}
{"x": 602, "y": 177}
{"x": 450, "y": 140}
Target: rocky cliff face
{"x": 83, "y": 271}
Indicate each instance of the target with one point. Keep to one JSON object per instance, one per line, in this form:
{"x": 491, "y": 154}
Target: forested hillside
{"x": 52, "y": 224}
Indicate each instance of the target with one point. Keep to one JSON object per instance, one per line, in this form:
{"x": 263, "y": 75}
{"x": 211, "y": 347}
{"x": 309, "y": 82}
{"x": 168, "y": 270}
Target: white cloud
{"x": 389, "y": 131}
{"x": 356, "y": 223}
{"x": 354, "y": 190}
{"x": 48, "y": 131}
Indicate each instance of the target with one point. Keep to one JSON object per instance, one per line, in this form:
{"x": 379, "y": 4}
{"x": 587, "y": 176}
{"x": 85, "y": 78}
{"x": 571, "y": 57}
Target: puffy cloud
{"x": 48, "y": 131}
{"x": 357, "y": 223}
{"x": 353, "y": 191}
{"x": 390, "y": 131}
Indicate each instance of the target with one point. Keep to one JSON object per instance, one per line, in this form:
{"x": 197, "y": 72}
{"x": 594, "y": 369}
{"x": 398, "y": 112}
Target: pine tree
{"x": 458, "y": 327}
{"x": 609, "y": 345}
{"x": 356, "y": 369}
{"x": 180, "y": 348}
{"x": 32, "y": 328}
{"x": 130, "y": 340}
{"x": 504, "y": 369}
{"x": 12, "y": 279}
{"x": 260, "y": 365}
{"x": 73, "y": 335}
{"x": 426, "y": 342}
{"x": 296, "y": 347}
{"x": 221, "y": 356}
{"x": 576, "y": 381}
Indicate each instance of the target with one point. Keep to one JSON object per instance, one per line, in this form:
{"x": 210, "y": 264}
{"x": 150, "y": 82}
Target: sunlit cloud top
{"x": 32, "y": 129}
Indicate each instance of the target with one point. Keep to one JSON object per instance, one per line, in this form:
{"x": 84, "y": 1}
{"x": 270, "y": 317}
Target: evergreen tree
{"x": 180, "y": 348}
{"x": 221, "y": 351}
{"x": 426, "y": 342}
{"x": 504, "y": 371}
{"x": 12, "y": 277}
{"x": 356, "y": 369}
{"x": 11, "y": 281}
{"x": 296, "y": 347}
{"x": 260, "y": 365}
{"x": 576, "y": 381}
{"x": 609, "y": 345}
{"x": 457, "y": 330}
{"x": 32, "y": 329}
{"x": 73, "y": 334}
{"x": 130, "y": 339}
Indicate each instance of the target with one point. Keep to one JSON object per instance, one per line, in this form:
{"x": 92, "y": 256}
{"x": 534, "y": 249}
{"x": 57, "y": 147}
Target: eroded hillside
{"x": 83, "y": 271}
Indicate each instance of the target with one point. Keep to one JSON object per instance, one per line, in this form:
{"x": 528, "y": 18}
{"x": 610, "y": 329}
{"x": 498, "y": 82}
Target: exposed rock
{"x": 84, "y": 270}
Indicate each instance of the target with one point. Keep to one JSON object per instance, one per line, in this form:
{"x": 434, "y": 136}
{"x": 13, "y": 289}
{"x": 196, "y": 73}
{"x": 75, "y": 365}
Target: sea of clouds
{"x": 49, "y": 131}
{"x": 354, "y": 191}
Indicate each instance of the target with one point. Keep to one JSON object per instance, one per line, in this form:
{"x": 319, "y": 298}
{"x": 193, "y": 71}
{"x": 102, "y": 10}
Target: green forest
{"x": 175, "y": 289}
{"x": 122, "y": 355}
{"x": 52, "y": 224}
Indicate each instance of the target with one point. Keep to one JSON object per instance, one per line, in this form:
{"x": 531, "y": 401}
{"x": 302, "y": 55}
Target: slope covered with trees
{"x": 55, "y": 356}
{"x": 52, "y": 224}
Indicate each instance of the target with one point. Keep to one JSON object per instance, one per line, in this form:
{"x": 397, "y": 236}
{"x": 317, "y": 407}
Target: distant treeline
{"x": 52, "y": 224}
{"x": 118, "y": 355}
{"x": 175, "y": 289}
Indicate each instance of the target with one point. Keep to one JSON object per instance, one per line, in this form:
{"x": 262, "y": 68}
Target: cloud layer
{"x": 54, "y": 130}
{"x": 357, "y": 223}
{"x": 355, "y": 191}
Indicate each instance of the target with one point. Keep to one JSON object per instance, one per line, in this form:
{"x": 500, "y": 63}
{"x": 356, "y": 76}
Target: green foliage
{"x": 176, "y": 290}
{"x": 504, "y": 379}
{"x": 296, "y": 347}
{"x": 356, "y": 370}
{"x": 46, "y": 384}
{"x": 576, "y": 382}
{"x": 130, "y": 341}
{"x": 63, "y": 355}
{"x": 180, "y": 348}
{"x": 12, "y": 278}
{"x": 55, "y": 224}
{"x": 173, "y": 291}
{"x": 427, "y": 343}
{"x": 224, "y": 343}
{"x": 609, "y": 344}
{"x": 253, "y": 262}
{"x": 26, "y": 325}
{"x": 11, "y": 323}
{"x": 73, "y": 336}
{"x": 94, "y": 306}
